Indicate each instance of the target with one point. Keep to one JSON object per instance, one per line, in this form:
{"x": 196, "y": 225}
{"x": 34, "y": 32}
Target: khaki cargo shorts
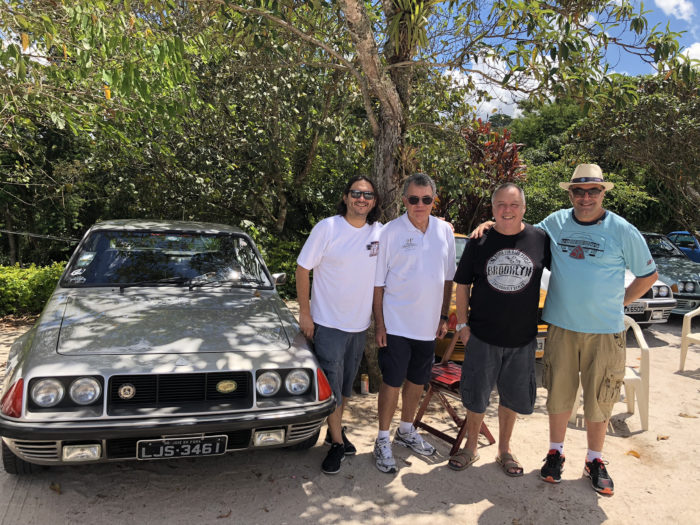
{"x": 599, "y": 358}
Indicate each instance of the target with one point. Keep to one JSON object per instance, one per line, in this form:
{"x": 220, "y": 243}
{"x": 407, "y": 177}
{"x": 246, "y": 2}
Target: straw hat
{"x": 587, "y": 174}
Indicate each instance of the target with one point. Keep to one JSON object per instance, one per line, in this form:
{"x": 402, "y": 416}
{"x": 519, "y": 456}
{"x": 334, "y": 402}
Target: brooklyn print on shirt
{"x": 509, "y": 270}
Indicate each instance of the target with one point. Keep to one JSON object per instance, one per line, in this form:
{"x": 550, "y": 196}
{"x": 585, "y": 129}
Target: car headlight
{"x": 681, "y": 286}
{"x": 689, "y": 287}
{"x": 662, "y": 291}
{"x": 297, "y": 382}
{"x": 268, "y": 383}
{"x": 47, "y": 393}
{"x": 85, "y": 390}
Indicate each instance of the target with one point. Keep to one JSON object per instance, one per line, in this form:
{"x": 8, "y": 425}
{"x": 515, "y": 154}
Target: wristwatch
{"x": 460, "y": 326}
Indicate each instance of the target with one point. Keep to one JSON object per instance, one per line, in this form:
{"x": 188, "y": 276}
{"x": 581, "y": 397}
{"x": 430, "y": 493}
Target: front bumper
{"x": 42, "y": 443}
{"x": 686, "y": 303}
{"x": 657, "y": 311}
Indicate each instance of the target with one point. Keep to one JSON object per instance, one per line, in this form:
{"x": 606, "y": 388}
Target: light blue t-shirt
{"x": 587, "y": 285}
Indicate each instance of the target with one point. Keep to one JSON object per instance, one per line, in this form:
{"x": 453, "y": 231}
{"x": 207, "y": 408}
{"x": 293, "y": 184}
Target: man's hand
{"x": 306, "y": 323}
{"x": 380, "y": 335}
{"x": 441, "y": 329}
{"x": 464, "y": 335}
{"x": 479, "y": 231}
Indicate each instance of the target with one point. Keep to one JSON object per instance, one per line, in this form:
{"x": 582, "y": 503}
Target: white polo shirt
{"x": 412, "y": 267}
{"x": 343, "y": 259}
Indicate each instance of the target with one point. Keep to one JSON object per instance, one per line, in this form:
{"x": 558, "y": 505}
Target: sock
{"x": 557, "y": 446}
{"x": 383, "y": 434}
{"x": 592, "y": 454}
{"x": 405, "y": 427}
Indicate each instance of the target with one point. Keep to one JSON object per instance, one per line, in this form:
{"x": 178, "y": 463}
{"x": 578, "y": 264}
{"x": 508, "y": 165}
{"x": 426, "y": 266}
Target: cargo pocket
{"x": 610, "y": 389}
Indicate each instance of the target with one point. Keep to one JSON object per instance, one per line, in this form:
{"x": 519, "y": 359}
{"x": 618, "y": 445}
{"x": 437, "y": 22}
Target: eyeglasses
{"x": 356, "y": 194}
{"x": 426, "y": 199}
{"x": 580, "y": 192}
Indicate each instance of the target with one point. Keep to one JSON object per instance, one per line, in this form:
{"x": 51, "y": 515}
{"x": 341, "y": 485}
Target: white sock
{"x": 383, "y": 434}
{"x": 557, "y": 446}
{"x": 592, "y": 454}
{"x": 405, "y": 427}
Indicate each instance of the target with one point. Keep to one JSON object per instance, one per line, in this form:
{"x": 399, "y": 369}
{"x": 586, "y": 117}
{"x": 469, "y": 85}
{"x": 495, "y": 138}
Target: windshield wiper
{"x": 156, "y": 282}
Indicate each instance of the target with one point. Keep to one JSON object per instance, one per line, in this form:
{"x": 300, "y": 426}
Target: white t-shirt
{"x": 412, "y": 267}
{"x": 343, "y": 259}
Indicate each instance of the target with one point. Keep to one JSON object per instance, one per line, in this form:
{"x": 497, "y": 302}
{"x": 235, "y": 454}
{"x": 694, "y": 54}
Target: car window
{"x": 662, "y": 247}
{"x": 108, "y": 258}
{"x": 684, "y": 240}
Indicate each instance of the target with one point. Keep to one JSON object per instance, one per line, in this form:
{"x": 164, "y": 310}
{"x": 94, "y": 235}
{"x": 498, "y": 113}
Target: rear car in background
{"x": 687, "y": 243}
{"x": 161, "y": 340}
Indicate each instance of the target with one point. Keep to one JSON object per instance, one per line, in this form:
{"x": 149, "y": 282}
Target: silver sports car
{"x": 161, "y": 340}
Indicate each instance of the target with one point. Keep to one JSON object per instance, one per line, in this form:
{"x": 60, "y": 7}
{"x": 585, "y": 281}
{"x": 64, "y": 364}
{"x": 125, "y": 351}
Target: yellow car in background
{"x": 452, "y": 346}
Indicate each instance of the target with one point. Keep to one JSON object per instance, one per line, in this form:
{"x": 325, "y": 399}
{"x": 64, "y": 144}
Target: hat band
{"x": 581, "y": 180}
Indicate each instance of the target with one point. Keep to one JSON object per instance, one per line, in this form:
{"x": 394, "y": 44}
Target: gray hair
{"x": 505, "y": 186}
{"x": 419, "y": 179}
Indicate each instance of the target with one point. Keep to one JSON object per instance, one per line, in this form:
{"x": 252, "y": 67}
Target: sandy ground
{"x": 661, "y": 485}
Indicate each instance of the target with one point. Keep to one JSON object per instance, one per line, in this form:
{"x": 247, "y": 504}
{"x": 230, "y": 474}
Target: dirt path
{"x": 661, "y": 485}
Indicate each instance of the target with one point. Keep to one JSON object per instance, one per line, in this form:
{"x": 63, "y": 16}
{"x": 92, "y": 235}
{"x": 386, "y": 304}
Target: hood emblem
{"x": 127, "y": 391}
{"x": 226, "y": 386}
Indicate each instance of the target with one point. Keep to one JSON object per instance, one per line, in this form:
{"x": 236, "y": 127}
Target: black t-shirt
{"x": 505, "y": 272}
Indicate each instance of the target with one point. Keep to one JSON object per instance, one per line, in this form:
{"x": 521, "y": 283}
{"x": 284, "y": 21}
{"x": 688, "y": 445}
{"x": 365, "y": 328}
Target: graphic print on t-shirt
{"x": 509, "y": 270}
{"x": 580, "y": 245}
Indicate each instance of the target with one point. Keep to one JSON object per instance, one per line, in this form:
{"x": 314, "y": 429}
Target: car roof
{"x": 164, "y": 226}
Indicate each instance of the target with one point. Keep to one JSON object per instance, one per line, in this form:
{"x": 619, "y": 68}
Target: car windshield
{"x": 157, "y": 258}
{"x": 460, "y": 245}
{"x": 662, "y": 247}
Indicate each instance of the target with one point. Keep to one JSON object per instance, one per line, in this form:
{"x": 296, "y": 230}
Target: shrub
{"x": 26, "y": 290}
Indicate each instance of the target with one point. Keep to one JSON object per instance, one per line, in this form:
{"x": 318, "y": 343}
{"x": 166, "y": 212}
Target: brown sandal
{"x": 510, "y": 465}
{"x": 462, "y": 460}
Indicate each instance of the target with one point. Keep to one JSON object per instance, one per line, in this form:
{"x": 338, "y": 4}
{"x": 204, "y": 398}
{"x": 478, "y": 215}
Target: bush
{"x": 26, "y": 290}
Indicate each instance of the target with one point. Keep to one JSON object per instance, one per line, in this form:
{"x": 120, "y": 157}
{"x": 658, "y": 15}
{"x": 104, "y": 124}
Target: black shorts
{"x": 403, "y": 358}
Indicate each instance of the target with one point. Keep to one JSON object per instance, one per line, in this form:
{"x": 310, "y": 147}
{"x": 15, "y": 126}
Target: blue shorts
{"x": 339, "y": 353}
{"x": 511, "y": 369}
{"x": 403, "y": 358}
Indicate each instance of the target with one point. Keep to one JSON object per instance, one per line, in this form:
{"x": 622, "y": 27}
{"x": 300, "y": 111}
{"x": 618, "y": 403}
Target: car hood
{"x": 673, "y": 269}
{"x": 177, "y": 321}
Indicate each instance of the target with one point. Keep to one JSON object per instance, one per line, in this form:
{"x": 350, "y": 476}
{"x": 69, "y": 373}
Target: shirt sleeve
{"x": 314, "y": 247}
{"x": 450, "y": 264}
{"x": 382, "y": 258}
{"x": 636, "y": 253}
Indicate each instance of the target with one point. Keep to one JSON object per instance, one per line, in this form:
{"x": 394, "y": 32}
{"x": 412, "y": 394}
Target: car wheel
{"x": 307, "y": 443}
{"x": 15, "y": 465}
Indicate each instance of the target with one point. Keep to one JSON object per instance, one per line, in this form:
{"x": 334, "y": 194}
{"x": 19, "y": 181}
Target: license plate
{"x": 539, "y": 352}
{"x": 181, "y": 447}
{"x": 634, "y": 308}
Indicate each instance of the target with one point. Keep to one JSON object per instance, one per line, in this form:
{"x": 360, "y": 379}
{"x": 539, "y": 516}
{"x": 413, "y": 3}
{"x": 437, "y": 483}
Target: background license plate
{"x": 634, "y": 308}
{"x": 181, "y": 447}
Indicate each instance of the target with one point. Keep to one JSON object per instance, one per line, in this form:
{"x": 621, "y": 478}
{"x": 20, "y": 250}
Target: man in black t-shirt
{"x": 498, "y": 286}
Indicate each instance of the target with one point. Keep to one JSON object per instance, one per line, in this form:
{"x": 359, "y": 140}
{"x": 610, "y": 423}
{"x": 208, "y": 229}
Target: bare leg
{"x": 474, "y": 420}
{"x": 595, "y": 432}
{"x": 557, "y": 426}
{"x": 506, "y": 422}
{"x": 335, "y": 422}
{"x": 387, "y": 401}
{"x": 410, "y": 397}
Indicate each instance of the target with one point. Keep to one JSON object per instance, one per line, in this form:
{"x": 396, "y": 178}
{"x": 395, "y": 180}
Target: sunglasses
{"x": 426, "y": 199}
{"x": 356, "y": 194}
{"x": 580, "y": 192}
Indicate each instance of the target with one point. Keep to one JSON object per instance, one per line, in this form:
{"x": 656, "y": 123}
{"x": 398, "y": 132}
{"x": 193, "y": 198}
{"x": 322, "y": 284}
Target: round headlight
{"x": 47, "y": 393}
{"x": 663, "y": 291}
{"x": 268, "y": 384}
{"x": 690, "y": 287}
{"x": 681, "y": 286}
{"x": 297, "y": 382}
{"x": 85, "y": 390}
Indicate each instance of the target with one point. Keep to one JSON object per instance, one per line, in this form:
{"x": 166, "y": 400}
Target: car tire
{"x": 307, "y": 443}
{"x": 15, "y": 465}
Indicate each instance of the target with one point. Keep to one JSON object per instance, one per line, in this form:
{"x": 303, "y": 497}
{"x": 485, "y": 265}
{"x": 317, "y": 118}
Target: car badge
{"x": 127, "y": 391}
{"x": 226, "y": 386}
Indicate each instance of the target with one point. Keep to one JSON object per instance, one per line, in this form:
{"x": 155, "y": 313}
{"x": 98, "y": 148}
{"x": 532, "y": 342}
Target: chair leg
{"x": 630, "y": 394}
{"x": 684, "y": 353}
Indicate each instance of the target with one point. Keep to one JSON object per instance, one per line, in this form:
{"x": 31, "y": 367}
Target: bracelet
{"x": 460, "y": 326}
{"x": 444, "y": 318}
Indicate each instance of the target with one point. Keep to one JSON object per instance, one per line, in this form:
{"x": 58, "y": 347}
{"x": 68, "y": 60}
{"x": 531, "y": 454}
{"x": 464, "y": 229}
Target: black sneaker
{"x": 335, "y": 456}
{"x": 553, "y": 465}
{"x": 601, "y": 481}
{"x": 350, "y": 449}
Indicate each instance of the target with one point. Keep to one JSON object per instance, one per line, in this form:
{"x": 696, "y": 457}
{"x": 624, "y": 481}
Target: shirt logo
{"x": 509, "y": 270}
{"x": 581, "y": 245}
{"x": 408, "y": 244}
{"x": 577, "y": 253}
{"x": 373, "y": 248}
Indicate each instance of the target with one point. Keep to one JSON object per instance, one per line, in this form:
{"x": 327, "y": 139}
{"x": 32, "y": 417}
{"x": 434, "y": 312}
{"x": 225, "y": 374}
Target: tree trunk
{"x": 11, "y": 238}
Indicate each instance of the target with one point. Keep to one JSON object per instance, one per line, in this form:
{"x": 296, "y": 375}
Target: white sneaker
{"x": 414, "y": 441}
{"x": 384, "y": 458}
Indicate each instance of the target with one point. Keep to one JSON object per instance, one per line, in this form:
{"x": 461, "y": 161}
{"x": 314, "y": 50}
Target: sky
{"x": 680, "y": 15}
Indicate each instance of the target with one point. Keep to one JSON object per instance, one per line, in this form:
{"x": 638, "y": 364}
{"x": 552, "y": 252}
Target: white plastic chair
{"x": 687, "y": 337}
{"x": 636, "y": 383}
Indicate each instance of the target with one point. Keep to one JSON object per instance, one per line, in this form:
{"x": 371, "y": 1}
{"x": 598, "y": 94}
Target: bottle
{"x": 364, "y": 384}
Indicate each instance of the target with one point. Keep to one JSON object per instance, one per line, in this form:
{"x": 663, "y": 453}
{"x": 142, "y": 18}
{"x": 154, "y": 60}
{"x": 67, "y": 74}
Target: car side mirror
{"x": 279, "y": 278}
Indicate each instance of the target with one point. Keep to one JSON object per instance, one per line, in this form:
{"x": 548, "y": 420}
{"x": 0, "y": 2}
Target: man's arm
{"x": 639, "y": 287}
{"x": 378, "y": 311}
{"x": 463, "y": 292}
{"x": 303, "y": 290}
{"x": 478, "y": 232}
{"x": 446, "y": 300}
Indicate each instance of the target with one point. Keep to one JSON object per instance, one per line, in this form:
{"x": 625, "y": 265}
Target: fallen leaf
{"x": 56, "y": 487}
{"x": 683, "y": 414}
{"x": 224, "y": 515}
{"x": 659, "y": 437}
{"x": 633, "y": 453}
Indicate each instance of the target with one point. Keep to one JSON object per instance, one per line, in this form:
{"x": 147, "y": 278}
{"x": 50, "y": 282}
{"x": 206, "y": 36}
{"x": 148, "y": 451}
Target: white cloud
{"x": 682, "y": 9}
{"x": 693, "y": 51}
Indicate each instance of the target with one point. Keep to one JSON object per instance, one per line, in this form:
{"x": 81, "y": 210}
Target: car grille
{"x": 303, "y": 430}
{"x": 39, "y": 450}
{"x": 686, "y": 304}
{"x": 125, "y": 448}
{"x": 181, "y": 392}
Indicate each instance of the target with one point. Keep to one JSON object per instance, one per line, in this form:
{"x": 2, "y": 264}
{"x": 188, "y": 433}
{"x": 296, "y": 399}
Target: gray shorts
{"x": 339, "y": 353}
{"x": 511, "y": 369}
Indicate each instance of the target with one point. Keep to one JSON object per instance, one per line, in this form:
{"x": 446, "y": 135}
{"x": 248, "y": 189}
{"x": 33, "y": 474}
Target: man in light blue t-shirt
{"x": 585, "y": 309}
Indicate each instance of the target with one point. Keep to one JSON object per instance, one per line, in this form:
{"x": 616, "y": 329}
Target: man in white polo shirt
{"x": 413, "y": 287}
{"x": 342, "y": 252}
